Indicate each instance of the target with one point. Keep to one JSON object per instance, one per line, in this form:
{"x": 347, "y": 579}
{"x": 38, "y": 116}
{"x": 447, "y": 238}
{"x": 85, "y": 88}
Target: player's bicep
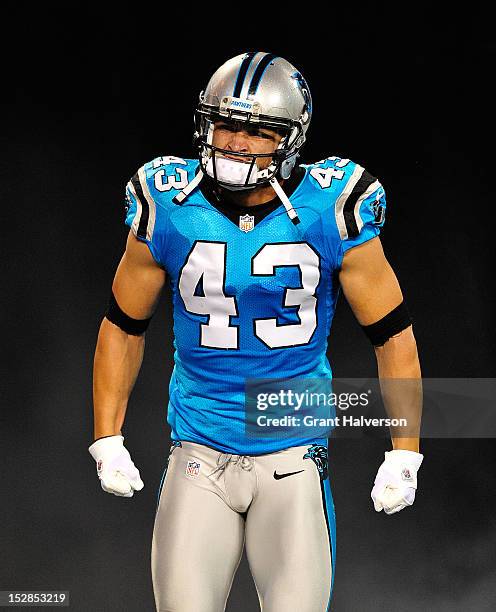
{"x": 369, "y": 283}
{"x": 138, "y": 280}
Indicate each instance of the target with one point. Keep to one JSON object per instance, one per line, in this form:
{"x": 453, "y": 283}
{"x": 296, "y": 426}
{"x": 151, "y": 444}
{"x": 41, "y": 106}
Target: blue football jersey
{"x": 249, "y": 301}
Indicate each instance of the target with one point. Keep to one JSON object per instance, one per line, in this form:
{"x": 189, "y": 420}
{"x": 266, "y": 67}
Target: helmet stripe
{"x": 258, "y": 74}
{"x": 243, "y": 69}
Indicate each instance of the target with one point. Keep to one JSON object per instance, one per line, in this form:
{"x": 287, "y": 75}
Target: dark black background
{"x": 86, "y": 99}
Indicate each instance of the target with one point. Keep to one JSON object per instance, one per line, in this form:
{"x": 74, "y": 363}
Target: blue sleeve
{"x": 145, "y": 217}
{"x": 362, "y": 216}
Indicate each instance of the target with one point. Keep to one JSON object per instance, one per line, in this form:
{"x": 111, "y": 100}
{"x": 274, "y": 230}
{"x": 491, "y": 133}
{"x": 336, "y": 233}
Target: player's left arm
{"x": 373, "y": 292}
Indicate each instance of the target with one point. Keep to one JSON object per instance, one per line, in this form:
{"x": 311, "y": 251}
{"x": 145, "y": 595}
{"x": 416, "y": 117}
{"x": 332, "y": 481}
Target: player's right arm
{"x": 137, "y": 285}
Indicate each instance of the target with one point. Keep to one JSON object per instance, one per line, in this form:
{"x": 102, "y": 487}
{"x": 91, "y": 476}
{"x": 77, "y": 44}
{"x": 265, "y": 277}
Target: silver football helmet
{"x": 258, "y": 89}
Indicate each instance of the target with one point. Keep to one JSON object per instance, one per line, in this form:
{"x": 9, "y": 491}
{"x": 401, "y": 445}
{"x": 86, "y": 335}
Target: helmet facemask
{"x": 222, "y": 165}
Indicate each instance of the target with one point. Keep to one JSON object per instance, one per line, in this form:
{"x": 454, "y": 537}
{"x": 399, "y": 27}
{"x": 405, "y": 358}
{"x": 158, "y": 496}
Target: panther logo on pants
{"x": 318, "y": 454}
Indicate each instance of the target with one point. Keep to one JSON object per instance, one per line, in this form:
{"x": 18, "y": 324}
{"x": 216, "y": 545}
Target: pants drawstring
{"x": 244, "y": 461}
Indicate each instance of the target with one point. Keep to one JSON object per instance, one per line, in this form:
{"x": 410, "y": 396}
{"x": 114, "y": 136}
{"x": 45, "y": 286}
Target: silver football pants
{"x": 212, "y": 503}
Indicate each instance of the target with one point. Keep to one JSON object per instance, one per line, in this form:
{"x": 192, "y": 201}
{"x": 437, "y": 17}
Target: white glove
{"x": 115, "y": 468}
{"x": 396, "y": 481}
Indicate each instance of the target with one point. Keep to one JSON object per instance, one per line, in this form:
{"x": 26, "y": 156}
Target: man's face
{"x": 242, "y": 138}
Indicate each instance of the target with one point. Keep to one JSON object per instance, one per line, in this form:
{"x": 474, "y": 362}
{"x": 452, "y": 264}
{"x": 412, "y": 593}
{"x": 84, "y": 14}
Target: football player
{"x": 255, "y": 247}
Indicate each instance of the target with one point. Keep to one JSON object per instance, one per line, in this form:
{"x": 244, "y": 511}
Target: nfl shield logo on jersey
{"x": 192, "y": 468}
{"x": 246, "y": 223}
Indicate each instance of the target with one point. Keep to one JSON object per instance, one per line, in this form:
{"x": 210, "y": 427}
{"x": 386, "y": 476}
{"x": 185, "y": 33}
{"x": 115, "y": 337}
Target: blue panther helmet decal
{"x": 305, "y": 90}
{"x": 318, "y": 454}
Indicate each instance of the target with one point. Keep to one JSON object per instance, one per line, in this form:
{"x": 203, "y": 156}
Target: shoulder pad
{"x": 350, "y": 185}
{"x": 150, "y": 191}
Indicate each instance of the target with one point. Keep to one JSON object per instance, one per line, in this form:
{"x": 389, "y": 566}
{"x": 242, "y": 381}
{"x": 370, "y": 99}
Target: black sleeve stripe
{"x": 362, "y": 185}
{"x": 145, "y": 209}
